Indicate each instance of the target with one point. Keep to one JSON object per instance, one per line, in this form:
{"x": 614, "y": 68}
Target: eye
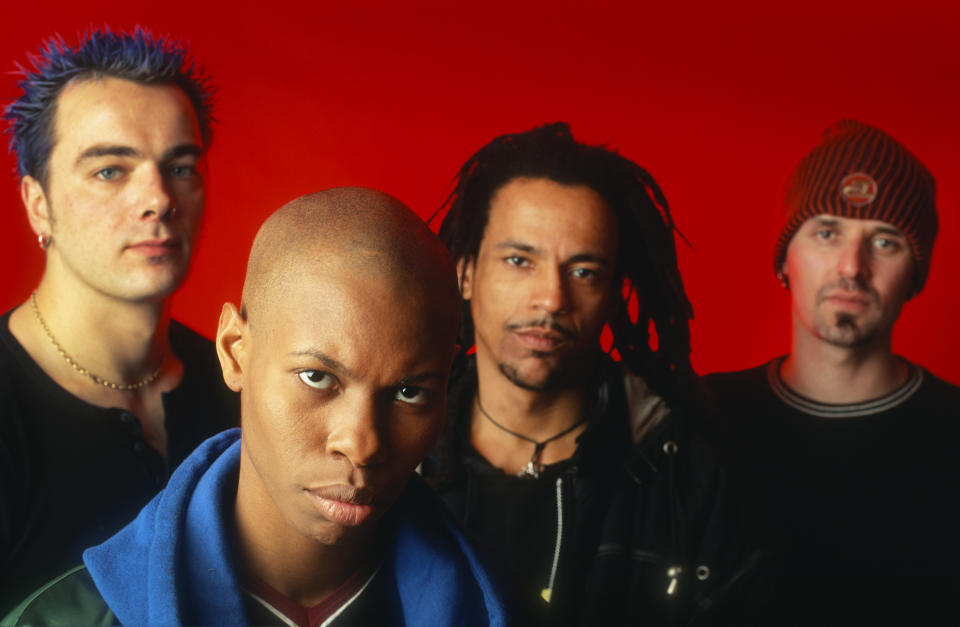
{"x": 412, "y": 395}
{"x": 318, "y": 379}
{"x": 886, "y": 244}
{"x": 108, "y": 174}
{"x": 825, "y": 234}
{"x": 517, "y": 261}
{"x": 585, "y": 273}
{"x": 183, "y": 171}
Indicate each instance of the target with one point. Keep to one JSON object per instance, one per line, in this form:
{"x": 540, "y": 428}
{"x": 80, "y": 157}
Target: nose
{"x": 550, "y": 290}
{"x": 355, "y": 433}
{"x": 155, "y": 200}
{"x": 854, "y": 262}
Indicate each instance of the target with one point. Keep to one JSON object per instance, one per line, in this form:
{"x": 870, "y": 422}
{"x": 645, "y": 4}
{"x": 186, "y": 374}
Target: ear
{"x": 232, "y": 339}
{"x": 35, "y": 201}
{"x": 782, "y": 276}
{"x": 465, "y": 275}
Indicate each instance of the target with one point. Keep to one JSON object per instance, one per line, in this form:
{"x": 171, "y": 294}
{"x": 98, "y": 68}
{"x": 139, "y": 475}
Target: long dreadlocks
{"x": 646, "y": 263}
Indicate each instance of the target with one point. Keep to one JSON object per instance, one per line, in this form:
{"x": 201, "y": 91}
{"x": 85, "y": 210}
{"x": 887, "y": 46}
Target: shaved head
{"x": 341, "y": 352}
{"x": 366, "y": 233}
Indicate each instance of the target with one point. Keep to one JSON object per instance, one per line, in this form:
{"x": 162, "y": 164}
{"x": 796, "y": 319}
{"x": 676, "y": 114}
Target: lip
{"x": 543, "y": 340}
{"x": 156, "y": 247}
{"x": 344, "y": 505}
{"x": 851, "y": 301}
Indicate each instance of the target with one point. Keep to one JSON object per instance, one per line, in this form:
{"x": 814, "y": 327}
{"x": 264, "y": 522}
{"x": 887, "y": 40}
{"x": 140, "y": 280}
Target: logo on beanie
{"x": 858, "y": 189}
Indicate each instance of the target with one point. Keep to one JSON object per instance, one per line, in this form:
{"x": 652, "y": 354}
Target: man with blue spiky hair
{"x": 101, "y": 393}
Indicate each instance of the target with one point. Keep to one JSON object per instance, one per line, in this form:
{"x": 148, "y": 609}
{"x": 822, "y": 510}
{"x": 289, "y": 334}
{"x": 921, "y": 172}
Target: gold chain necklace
{"x": 123, "y": 387}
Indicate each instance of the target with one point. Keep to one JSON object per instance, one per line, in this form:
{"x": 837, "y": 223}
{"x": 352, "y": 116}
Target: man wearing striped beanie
{"x": 850, "y": 448}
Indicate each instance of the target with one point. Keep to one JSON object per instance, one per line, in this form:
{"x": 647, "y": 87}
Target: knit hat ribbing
{"x": 858, "y": 171}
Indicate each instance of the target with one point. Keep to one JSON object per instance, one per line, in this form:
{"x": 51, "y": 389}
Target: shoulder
{"x": 202, "y": 380}
{"x": 938, "y": 392}
{"x": 70, "y": 599}
{"x": 751, "y": 377}
{"x": 190, "y": 345}
{"x": 14, "y": 358}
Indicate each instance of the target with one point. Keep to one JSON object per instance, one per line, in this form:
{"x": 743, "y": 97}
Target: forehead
{"x": 851, "y": 224}
{"x": 367, "y": 320}
{"x": 121, "y": 112}
{"x": 546, "y": 214}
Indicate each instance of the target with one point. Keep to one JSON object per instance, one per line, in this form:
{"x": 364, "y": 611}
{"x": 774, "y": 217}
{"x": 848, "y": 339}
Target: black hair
{"x": 646, "y": 268}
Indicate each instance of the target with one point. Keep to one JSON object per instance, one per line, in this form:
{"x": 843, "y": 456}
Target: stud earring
{"x": 43, "y": 241}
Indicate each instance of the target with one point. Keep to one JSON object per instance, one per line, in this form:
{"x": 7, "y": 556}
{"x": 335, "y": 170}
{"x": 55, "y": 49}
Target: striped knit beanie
{"x": 858, "y": 171}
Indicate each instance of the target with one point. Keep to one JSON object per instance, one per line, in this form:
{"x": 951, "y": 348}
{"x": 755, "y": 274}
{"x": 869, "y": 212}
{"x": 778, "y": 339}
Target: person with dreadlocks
{"x": 102, "y": 395}
{"x": 578, "y": 470}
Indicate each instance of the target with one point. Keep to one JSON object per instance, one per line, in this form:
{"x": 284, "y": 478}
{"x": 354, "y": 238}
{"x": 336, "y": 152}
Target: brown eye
{"x": 412, "y": 395}
{"x": 317, "y": 379}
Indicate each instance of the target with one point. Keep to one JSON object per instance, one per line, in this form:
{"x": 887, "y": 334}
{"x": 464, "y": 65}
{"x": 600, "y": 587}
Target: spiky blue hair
{"x": 137, "y": 57}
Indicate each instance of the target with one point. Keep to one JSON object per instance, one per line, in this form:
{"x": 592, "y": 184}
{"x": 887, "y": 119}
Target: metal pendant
{"x": 530, "y": 471}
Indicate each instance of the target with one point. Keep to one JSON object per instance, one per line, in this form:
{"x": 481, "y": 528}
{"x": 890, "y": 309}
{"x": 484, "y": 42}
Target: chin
{"x": 535, "y": 380}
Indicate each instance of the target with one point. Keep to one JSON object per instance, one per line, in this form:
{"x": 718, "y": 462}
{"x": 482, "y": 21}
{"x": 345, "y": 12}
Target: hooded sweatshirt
{"x": 173, "y": 565}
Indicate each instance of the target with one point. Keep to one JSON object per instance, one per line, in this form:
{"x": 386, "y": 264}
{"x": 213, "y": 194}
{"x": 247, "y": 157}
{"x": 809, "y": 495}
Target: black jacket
{"x": 645, "y": 530}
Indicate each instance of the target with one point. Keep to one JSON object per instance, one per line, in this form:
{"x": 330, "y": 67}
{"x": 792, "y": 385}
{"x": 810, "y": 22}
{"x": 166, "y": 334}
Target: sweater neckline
{"x": 842, "y": 410}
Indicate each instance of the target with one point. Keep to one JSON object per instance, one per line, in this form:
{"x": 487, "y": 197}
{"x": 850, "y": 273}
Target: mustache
{"x": 544, "y": 323}
{"x": 858, "y": 285}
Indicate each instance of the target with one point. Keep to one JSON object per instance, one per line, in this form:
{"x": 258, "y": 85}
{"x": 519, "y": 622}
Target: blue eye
{"x": 108, "y": 174}
{"x": 412, "y": 395}
{"x": 318, "y": 379}
{"x": 183, "y": 171}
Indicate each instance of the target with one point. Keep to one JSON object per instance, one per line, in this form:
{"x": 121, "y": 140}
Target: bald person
{"x": 310, "y": 513}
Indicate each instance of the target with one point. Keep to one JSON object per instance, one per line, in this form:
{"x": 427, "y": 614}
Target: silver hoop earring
{"x": 784, "y": 280}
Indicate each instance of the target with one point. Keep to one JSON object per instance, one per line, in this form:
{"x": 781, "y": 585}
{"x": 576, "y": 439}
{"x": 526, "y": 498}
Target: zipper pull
{"x": 673, "y": 573}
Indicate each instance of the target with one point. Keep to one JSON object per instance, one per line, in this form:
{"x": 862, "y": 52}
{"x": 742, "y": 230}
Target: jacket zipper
{"x": 547, "y": 592}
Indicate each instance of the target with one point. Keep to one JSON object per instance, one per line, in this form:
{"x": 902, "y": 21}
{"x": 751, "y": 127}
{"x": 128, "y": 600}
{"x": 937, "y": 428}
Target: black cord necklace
{"x": 533, "y": 467}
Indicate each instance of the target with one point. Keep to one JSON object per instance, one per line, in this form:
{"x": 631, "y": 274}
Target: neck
{"x": 535, "y": 414}
{"x": 842, "y": 374}
{"x": 118, "y": 340}
{"x": 299, "y": 567}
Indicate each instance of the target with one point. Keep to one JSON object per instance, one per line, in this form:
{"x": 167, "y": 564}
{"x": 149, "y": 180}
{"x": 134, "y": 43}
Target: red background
{"x": 718, "y": 102}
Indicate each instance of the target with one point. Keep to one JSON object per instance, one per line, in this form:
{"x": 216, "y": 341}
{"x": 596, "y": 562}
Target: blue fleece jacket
{"x": 173, "y": 565}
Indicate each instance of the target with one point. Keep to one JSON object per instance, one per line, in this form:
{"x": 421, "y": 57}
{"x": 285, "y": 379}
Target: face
{"x": 125, "y": 155}
{"x": 342, "y": 387}
{"x": 848, "y": 278}
{"x": 541, "y": 287}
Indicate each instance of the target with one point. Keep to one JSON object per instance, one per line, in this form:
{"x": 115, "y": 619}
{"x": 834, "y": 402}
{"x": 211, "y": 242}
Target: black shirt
{"x": 861, "y": 500}
{"x": 72, "y": 473}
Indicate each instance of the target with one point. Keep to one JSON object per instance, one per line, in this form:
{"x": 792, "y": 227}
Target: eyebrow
{"x": 182, "y": 150}
{"x": 107, "y": 150}
{"x": 119, "y": 150}
{"x": 339, "y": 368}
{"x": 889, "y": 230}
{"x": 510, "y": 244}
{"x": 578, "y": 258}
{"x": 419, "y": 378}
{"x": 592, "y": 257}
{"x": 326, "y": 360}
